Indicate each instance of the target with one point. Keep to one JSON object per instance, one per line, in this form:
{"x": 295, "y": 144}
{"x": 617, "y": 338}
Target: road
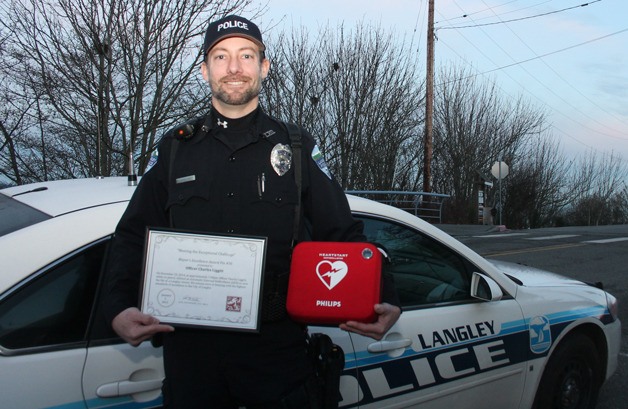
{"x": 586, "y": 253}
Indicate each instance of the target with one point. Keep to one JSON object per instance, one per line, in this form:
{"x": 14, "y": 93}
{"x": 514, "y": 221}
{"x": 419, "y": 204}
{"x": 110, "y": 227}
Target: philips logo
{"x": 233, "y": 24}
{"x": 326, "y": 303}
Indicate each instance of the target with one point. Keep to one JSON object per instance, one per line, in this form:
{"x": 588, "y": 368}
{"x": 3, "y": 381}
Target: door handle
{"x": 122, "y": 388}
{"x": 385, "y": 346}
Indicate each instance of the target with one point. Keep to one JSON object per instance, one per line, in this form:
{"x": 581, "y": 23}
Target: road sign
{"x": 499, "y": 170}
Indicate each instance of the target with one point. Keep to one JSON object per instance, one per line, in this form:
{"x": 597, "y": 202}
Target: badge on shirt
{"x": 320, "y": 161}
{"x": 281, "y": 158}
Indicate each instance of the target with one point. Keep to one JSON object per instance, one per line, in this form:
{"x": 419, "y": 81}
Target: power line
{"x": 557, "y": 51}
{"x": 518, "y": 19}
{"x": 466, "y": 15}
{"x": 549, "y": 89}
{"x": 418, "y": 22}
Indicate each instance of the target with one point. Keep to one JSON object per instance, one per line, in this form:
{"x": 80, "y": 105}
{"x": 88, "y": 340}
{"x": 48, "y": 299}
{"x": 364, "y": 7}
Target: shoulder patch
{"x": 152, "y": 160}
{"x": 317, "y": 156}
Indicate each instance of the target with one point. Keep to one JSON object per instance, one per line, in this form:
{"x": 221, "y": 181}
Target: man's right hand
{"x": 134, "y": 326}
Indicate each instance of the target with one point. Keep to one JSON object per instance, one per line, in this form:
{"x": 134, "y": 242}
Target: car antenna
{"x": 37, "y": 189}
{"x": 132, "y": 178}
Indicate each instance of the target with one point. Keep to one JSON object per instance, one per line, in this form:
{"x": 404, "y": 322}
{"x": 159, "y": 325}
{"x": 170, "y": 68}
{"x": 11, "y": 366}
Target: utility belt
{"x": 322, "y": 389}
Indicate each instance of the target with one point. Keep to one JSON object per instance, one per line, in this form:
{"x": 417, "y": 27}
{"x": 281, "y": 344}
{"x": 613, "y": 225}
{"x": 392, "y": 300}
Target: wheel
{"x": 572, "y": 377}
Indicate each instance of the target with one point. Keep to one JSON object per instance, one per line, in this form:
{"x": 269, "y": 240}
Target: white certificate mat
{"x": 203, "y": 280}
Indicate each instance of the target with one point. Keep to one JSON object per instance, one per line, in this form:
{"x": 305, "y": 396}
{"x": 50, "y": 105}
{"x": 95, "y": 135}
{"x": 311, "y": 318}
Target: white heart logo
{"x": 331, "y": 273}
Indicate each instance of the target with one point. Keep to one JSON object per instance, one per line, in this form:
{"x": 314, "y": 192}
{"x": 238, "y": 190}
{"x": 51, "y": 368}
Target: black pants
{"x": 208, "y": 369}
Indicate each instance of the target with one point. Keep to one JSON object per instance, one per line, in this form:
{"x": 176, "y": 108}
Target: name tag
{"x": 185, "y": 179}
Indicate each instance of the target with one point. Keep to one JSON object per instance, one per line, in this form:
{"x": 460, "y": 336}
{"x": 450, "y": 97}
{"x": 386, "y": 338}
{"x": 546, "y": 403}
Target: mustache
{"x": 235, "y": 78}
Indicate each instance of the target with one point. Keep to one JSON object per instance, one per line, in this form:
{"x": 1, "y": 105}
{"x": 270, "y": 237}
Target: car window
{"x": 425, "y": 271}
{"x": 53, "y": 308}
{"x": 16, "y": 215}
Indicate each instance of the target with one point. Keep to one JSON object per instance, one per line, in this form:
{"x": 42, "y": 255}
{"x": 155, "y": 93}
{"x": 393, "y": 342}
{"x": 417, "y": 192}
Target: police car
{"x": 473, "y": 333}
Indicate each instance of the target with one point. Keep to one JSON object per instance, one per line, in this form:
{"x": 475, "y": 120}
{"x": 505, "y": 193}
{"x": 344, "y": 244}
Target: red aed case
{"x": 334, "y": 282}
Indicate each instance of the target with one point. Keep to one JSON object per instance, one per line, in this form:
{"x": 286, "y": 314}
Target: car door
{"x": 447, "y": 349}
{"x": 116, "y": 372}
{"x": 43, "y": 325}
{"x": 45, "y": 345}
{"x": 119, "y": 374}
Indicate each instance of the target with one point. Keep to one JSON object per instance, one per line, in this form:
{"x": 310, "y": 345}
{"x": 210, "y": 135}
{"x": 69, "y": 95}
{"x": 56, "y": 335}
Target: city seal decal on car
{"x": 540, "y": 334}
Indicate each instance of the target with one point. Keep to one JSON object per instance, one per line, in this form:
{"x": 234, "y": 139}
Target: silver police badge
{"x": 281, "y": 158}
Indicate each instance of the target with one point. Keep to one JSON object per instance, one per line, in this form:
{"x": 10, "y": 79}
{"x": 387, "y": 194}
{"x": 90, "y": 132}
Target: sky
{"x": 567, "y": 59}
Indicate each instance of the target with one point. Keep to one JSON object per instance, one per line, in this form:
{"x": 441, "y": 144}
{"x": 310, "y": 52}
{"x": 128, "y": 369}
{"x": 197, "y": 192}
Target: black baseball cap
{"x": 231, "y": 26}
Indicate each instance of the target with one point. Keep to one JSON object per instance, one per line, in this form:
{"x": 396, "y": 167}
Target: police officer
{"x": 234, "y": 175}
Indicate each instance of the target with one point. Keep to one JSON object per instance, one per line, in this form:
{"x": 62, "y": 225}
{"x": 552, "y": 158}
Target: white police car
{"x": 471, "y": 332}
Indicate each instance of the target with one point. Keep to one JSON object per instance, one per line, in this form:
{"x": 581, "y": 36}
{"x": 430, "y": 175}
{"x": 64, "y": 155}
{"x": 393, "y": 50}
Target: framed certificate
{"x": 206, "y": 280}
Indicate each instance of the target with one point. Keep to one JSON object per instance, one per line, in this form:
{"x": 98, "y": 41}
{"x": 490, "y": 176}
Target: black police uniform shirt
{"x": 224, "y": 182}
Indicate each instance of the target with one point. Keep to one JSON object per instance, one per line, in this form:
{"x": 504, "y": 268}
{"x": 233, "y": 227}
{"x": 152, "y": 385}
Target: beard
{"x": 235, "y": 97}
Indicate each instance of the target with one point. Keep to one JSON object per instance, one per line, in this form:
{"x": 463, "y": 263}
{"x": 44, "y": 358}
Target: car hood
{"x": 534, "y": 277}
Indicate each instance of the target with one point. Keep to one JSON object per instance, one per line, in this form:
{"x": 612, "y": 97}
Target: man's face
{"x": 234, "y": 70}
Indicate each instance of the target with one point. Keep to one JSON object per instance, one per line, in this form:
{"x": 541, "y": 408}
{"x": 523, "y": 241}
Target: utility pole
{"x": 429, "y": 102}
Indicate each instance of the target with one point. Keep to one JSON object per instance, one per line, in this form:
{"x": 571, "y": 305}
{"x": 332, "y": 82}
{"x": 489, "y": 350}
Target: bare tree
{"x": 600, "y": 190}
{"x": 619, "y": 206}
{"x": 108, "y": 77}
{"x": 474, "y": 126}
{"x": 358, "y": 92}
{"x": 13, "y": 116}
{"x": 539, "y": 185}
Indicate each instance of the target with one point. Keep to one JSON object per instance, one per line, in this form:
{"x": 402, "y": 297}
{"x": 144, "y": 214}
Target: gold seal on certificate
{"x": 203, "y": 279}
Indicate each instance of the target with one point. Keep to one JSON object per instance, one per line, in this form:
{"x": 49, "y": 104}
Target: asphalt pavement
{"x": 458, "y": 230}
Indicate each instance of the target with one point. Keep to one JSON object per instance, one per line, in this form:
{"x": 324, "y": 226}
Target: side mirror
{"x": 485, "y": 288}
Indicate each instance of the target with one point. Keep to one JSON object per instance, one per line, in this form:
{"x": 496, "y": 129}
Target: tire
{"x": 572, "y": 377}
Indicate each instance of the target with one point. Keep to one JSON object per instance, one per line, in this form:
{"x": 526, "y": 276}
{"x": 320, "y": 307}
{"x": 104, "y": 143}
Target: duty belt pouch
{"x": 329, "y": 361}
{"x": 334, "y": 282}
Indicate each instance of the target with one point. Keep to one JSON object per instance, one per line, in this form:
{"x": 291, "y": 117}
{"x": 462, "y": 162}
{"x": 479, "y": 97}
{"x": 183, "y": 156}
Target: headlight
{"x": 613, "y": 306}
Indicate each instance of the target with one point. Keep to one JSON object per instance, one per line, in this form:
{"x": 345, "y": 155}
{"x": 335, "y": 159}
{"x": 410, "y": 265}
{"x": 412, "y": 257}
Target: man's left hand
{"x": 387, "y": 315}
